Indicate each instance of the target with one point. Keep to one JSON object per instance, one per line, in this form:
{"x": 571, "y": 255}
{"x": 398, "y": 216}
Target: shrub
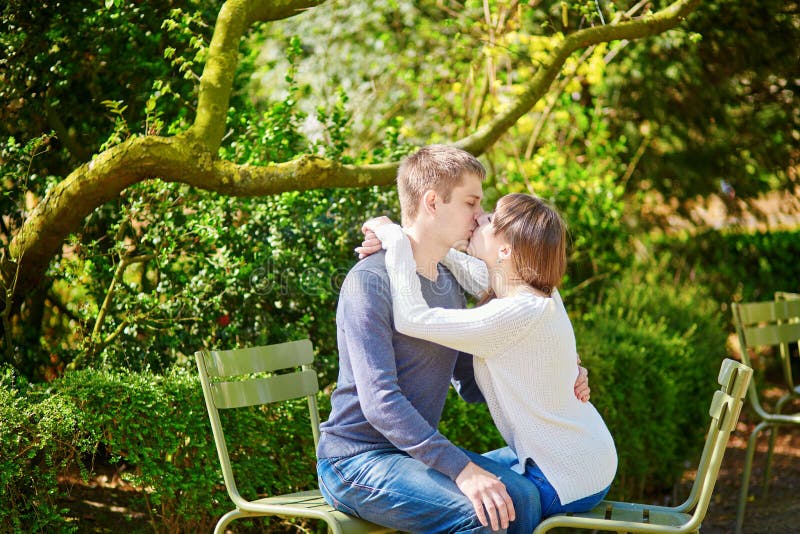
{"x": 157, "y": 425}
{"x": 34, "y": 445}
{"x": 736, "y": 266}
{"x": 469, "y": 425}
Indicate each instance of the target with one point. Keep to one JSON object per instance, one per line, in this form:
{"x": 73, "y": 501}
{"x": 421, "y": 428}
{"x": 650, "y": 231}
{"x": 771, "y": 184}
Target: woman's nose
{"x": 483, "y": 218}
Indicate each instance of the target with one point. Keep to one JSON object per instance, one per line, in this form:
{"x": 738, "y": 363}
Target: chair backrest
{"x": 734, "y": 378}
{"x": 772, "y": 323}
{"x": 786, "y": 353}
{"x": 246, "y": 377}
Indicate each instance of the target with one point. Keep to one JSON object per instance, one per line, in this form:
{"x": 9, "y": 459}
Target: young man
{"x": 381, "y": 456}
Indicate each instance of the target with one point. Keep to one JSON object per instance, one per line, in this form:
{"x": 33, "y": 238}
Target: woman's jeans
{"x": 551, "y": 504}
{"x": 390, "y": 488}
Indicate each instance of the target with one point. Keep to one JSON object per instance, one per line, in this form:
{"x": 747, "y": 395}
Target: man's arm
{"x": 464, "y": 379}
{"x": 366, "y": 312}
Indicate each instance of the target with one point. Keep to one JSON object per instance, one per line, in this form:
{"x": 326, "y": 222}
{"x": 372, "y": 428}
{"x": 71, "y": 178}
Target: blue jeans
{"x": 390, "y": 488}
{"x": 551, "y": 504}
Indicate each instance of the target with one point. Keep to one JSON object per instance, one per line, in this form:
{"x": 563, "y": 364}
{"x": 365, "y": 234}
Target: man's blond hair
{"x": 437, "y": 167}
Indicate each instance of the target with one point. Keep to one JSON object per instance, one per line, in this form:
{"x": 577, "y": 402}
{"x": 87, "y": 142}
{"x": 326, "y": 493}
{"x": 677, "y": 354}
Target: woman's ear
{"x": 504, "y": 253}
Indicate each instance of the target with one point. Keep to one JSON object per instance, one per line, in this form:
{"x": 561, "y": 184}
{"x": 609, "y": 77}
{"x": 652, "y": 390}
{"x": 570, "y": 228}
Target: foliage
{"x": 469, "y": 425}
{"x": 175, "y": 268}
{"x": 736, "y": 266}
{"x": 576, "y": 167}
{"x": 719, "y": 97}
{"x": 57, "y": 57}
{"x": 155, "y": 428}
{"x": 35, "y": 444}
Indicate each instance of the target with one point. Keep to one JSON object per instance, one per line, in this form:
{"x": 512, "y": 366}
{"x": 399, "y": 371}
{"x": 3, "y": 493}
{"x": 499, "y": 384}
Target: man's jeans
{"x": 390, "y": 488}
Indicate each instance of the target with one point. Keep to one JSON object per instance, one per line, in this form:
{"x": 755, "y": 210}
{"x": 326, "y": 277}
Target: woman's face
{"x": 485, "y": 244}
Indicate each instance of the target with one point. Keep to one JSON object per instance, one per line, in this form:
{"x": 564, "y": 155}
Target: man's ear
{"x": 429, "y": 201}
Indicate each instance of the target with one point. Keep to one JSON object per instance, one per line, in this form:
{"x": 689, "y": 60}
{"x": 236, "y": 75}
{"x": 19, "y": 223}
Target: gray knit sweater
{"x": 391, "y": 388}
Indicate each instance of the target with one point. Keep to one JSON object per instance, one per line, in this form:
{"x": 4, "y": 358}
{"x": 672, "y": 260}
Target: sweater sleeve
{"x": 484, "y": 330}
{"x": 384, "y": 404}
{"x": 471, "y": 273}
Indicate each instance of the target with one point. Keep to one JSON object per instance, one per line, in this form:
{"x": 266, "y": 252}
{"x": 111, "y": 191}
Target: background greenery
{"x": 97, "y": 363}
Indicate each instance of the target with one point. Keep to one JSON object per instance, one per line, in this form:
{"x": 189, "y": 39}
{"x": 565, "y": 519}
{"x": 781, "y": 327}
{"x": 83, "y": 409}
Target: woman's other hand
{"x": 371, "y": 244}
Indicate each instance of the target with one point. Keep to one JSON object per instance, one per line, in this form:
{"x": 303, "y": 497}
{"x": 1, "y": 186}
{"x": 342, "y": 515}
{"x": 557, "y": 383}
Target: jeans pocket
{"x": 330, "y": 496}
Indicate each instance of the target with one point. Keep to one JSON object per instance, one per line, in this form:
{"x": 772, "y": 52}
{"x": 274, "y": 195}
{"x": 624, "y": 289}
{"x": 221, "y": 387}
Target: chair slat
{"x": 719, "y": 404}
{"x": 771, "y": 334}
{"x": 264, "y": 390}
{"x": 770, "y": 311}
{"x": 259, "y": 359}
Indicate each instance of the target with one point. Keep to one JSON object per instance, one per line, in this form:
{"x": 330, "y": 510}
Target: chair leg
{"x": 748, "y": 464}
{"x": 225, "y": 520}
{"x": 773, "y": 433}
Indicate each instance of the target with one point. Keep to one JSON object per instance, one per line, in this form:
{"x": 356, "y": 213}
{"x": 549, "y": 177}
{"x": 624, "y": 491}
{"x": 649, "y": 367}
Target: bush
{"x": 35, "y": 443}
{"x": 736, "y": 266}
{"x": 469, "y": 425}
{"x": 157, "y": 425}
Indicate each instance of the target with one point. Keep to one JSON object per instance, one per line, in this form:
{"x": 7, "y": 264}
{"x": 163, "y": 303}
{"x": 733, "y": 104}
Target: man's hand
{"x": 371, "y": 243}
{"x": 582, "y": 390}
{"x": 488, "y": 496}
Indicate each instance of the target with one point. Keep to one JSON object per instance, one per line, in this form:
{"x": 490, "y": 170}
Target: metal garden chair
{"x": 612, "y": 516}
{"x": 236, "y": 379}
{"x": 773, "y": 324}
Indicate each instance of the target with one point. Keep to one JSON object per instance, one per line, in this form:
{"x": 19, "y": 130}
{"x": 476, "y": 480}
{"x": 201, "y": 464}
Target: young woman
{"x": 525, "y": 357}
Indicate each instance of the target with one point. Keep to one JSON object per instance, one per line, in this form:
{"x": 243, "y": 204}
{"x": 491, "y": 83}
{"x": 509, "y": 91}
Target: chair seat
{"x": 621, "y": 517}
{"x": 636, "y": 513}
{"x": 311, "y": 504}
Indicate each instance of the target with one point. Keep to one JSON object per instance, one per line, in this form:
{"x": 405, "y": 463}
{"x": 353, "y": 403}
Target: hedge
{"x": 157, "y": 424}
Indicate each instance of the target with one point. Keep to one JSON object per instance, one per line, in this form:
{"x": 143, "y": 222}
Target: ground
{"x": 103, "y": 505}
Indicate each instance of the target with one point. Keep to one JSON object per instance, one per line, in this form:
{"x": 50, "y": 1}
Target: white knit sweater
{"x": 525, "y": 364}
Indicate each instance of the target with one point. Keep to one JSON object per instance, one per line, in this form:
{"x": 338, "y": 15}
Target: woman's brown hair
{"x": 538, "y": 238}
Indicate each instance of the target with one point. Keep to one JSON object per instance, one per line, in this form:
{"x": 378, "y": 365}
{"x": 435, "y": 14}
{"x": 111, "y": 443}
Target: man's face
{"x": 458, "y": 217}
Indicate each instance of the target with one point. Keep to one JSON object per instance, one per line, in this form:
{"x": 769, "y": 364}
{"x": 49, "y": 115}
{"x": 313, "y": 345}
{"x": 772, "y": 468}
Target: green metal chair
{"x": 613, "y": 516}
{"x": 228, "y": 382}
{"x": 773, "y": 324}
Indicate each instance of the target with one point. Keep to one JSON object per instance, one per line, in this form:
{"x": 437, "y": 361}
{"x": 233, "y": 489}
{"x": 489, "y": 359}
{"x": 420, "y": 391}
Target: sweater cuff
{"x": 453, "y": 463}
{"x": 389, "y": 234}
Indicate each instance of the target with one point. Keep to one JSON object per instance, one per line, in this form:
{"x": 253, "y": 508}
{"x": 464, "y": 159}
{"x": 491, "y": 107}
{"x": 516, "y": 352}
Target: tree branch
{"x": 234, "y": 19}
{"x": 644, "y": 26}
